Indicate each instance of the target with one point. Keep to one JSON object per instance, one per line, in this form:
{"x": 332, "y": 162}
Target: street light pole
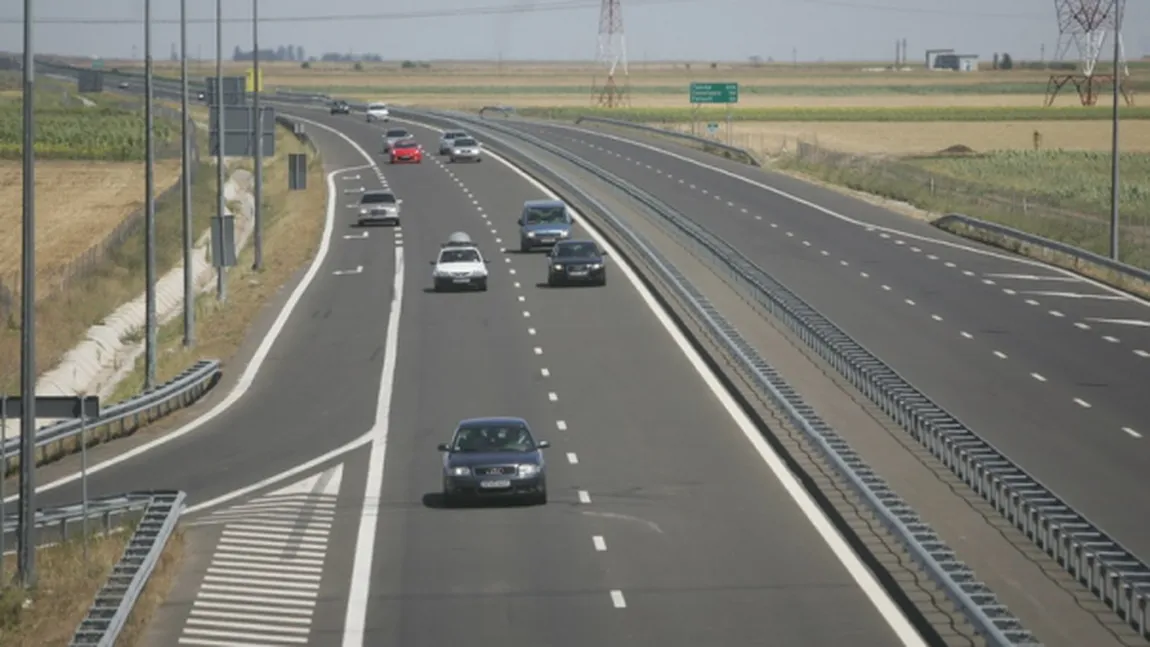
{"x": 186, "y": 184}
{"x": 26, "y": 557}
{"x": 149, "y": 211}
{"x": 1114, "y": 151}
{"x": 258, "y": 124}
{"x": 221, "y": 206}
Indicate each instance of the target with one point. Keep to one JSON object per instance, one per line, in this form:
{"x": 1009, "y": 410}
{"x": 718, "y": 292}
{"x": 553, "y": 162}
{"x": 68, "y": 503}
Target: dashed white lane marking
{"x": 618, "y": 600}
{"x": 522, "y": 298}
{"x": 1009, "y": 291}
{"x": 1076, "y": 295}
{"x": 263, "y": 581}
{"x": 886, "y": 287}
{"x": 517, "y": 284}
{"x": 552, "y": 396}
{"x": 526, "y": 314}
{"x": 1123, "y": 322}
{"x": 599, "y": 543}
{"x": 988, "y": 281}
{"x": 1131, "y": 432}
{"x": 561, "y": 425}
{"x": 584, "y": 496}
{"x": 1083, "y": 326}
{"x": 1055, "y": 313}
{"x": 936, "y": 317}
{"x": 544, "y": 372}
{"x": 950, "y": 264}
{"x": 1082, "y": 403}
{"x": 864, "y": 275}
{"x": 999, "y": 354}
{"x": 1141, "y": 353}
{"x": 966, "y": 334}
{"x": 537, "y": 350}
{"x": 1031, "y": 302}
{"x": 531, "y": 331}
{"x": 909, "y": 302}
{"x": 572, "y": 458}
{"x": 1110, "y": 338}
{"x": 1038, "y": 377}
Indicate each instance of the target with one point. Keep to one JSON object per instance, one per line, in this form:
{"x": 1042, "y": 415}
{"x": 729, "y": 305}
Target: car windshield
{"x": 459, "y": 256}
{"x": 545, "y": 215}
{"x": 453, "y": 135}
{"x": 406, "y": 143}
{"x": 374, "y": 106}
{"x": 577, "y": 250}
{"x": 397, "y": 133}
{"x": 378, "y": 198}
{"x": 493, "y": 438}
{"x": 465, "y": 141}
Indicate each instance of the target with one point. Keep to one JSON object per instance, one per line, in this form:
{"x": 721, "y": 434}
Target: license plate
{"x": 462, "y": 280}
{"x": 502, "y": 483}
{"x": 578, "y": 273}
{"x": 546, "y": 240}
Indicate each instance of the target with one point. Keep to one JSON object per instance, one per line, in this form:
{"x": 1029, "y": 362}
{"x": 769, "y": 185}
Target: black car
{"x": 576, "y": 261}
{"x": 340, "y": 108}
{"x": 494, "y": 457}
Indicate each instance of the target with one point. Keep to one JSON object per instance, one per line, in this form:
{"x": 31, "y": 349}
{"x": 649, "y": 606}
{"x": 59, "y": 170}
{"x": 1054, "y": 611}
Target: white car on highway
{"x": 459, "y": 266}
{"x": 447, "y": 138}
{"x": 378, "y": 112}
{"x": 378, "y": 207}
{"x": 466, "y": 149}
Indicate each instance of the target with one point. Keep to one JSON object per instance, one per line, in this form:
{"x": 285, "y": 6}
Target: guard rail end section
{"x": 1115, "y": 575}
{"x": 1108, "y": 270}
{"x": 115, "y": 601}
{"x": 708, "y": 145}
{"x": 121, "y": 419}
{"x": 975, "y": 600}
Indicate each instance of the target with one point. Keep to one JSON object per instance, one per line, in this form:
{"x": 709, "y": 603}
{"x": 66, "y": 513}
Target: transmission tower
{"x": 612, "y": 54}
{"x": 1085, "y": 24}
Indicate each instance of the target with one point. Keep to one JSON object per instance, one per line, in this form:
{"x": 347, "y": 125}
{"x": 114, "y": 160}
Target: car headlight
{"x": 363, "y": 212}
{"x": 459, "y": 471}
{"x": 596, "y": 266}
{"x": 531, "y": 234}
{"x": 557, "y": 267}
{"x": 564, "y": 234}
{"x": 528, "y": 470}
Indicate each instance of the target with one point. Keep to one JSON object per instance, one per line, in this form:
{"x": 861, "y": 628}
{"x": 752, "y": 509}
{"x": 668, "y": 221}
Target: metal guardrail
{"x": 949, "y": 221}
{"x": 748, "y": 156}
{"x": 976, "y": 601}
{"x": 115, "y": 600}
{"x": 62, "y": 523}
{"x": 1099, "y": 562}
{"x": 126, "y": 416}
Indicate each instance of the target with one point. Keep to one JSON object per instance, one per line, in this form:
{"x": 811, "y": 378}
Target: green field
{"x": 813, "y": 114}
{"x": 66, "y": 128}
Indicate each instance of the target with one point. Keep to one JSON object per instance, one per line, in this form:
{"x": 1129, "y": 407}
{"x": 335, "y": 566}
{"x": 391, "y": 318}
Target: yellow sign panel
{"x": 249, "y": 83}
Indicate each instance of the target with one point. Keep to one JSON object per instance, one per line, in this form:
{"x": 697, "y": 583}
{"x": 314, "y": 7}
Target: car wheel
{"x": 439, "y": 286}
{"x": 524, "y": 247}
{"x": 482, "y": 285}
{"x": 603, "y": 281}
{"x": 478, "y": 159}
{"x": 449, "y": 500}
{"x": 540, "y": 497}
{"x": 451, "y": 159}
{"x": 550, "y": 281}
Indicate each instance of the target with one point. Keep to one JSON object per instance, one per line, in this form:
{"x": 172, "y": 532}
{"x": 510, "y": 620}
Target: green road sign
{"x": 98, "y": 64}
{"x": 714, "y": 93}
{"x": 712, "y": 128}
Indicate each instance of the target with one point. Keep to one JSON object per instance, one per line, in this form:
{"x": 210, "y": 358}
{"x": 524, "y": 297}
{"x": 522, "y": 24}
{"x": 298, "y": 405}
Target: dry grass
{"x": 294, "y": 221}
{"x": 925, "y": 137}
{"x": 155, "y": 592}
{"x": 78, "y": 203}
{"x": 65, "y": 589}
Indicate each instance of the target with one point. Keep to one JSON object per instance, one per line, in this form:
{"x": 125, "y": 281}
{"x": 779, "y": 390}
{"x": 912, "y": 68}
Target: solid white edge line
{"x": 355, "y": 622}
{"x": 858, "y": 571}
{"x": 858, "y": 223}
{"x": 247, "y": 378}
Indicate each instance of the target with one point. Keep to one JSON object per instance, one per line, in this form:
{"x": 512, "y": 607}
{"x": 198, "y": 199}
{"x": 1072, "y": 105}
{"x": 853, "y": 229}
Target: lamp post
{"x": 258, "y": 141}
{"x": 186, "y": 184}
{"x": 149, "y": 211}
{"x": 1114, "y": 180}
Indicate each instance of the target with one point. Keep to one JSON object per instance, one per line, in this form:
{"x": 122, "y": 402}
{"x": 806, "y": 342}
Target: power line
{"x": 519, "y": 8}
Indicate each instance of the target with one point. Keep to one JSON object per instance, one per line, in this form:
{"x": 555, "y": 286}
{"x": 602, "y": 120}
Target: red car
{"x": 406, "y": 150}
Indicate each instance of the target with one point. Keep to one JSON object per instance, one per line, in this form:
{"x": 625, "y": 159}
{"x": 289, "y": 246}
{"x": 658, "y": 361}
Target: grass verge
{"x": 856, "y": 114}
{"x": 66, "y": 586}
{"x": 118, "y": 278}
{"x": 293, "y": 224}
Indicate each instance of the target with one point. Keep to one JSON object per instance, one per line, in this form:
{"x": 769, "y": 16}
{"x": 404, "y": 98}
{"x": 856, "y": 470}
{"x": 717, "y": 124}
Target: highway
{"x": 1032, "y": 359}
{"x": 659, "y": 515}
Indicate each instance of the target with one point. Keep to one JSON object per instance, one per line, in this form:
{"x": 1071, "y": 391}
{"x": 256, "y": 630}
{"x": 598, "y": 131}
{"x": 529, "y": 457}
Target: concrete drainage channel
{"x": 1112, "y": 574}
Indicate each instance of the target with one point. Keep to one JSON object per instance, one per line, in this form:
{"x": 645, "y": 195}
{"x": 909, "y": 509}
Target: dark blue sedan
{"x": 494, "y": 457}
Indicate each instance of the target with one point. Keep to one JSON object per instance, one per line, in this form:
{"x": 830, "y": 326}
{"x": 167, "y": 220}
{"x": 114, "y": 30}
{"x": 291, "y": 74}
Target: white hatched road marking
{"x": 264, "y": 576}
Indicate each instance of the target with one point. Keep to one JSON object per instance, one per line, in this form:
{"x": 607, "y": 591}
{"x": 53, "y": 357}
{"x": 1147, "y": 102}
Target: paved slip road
{"x": 1029, "y": 357}
{"x": 315, "y": 390}
{"x": 663, "y": 529}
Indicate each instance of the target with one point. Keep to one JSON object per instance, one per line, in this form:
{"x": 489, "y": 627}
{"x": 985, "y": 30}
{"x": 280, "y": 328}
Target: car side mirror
{"x": 543, "y": 444}
{"x": 520, "y": 222}
{"x": 603, "y": 253}
{"x": 400, "y": 201}
{"x": 486, "y": 261}
{"x": 442, "y": 447}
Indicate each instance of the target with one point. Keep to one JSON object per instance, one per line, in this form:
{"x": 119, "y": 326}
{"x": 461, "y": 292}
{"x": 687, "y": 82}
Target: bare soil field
{"x": 78, "y": 203}
{"x": 909, "y": 138}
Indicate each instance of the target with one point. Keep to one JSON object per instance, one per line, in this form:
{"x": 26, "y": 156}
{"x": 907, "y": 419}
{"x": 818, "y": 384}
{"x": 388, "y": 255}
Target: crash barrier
{"x": 975, "y": 600}
{"x": 122, "y": 418}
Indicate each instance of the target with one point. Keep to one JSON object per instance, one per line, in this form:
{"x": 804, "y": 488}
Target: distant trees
{"x": 279, "y": 53}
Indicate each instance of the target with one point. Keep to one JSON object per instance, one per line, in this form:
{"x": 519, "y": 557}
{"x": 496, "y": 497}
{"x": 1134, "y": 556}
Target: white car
{"x": 378, "y": 112}
{"x": 466, "y": 149}
{"x": 394, "y": 135}
{"x": 448, "y": 137}
{"x": 459, "y": 266}
{"x": 378, "y": 207}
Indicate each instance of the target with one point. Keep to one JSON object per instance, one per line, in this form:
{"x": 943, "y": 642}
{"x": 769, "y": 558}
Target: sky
{"x": 695, "y": 30}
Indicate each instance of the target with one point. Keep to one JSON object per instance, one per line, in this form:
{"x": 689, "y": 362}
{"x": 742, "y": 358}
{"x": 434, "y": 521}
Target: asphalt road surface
{"x": 1050, "y": 368}
{"x": 662, "y": 527}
